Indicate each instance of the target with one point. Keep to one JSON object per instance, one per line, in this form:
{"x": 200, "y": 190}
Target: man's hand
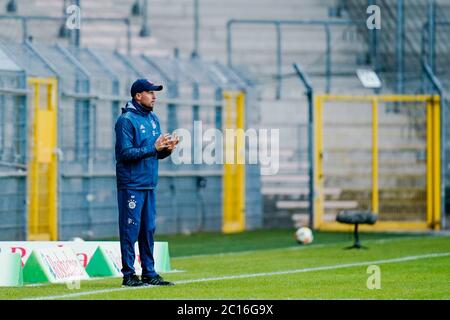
{"x": 162, "y": 142}
{"x": 173, "y": 142}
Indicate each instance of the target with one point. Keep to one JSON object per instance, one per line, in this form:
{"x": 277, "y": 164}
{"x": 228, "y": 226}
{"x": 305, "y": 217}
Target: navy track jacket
{"x": 136, "y": 157}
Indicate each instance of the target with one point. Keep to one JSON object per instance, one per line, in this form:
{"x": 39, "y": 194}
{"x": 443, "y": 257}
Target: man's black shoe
{"x": 132, "y": 281}
{"x": 156, "y": 281}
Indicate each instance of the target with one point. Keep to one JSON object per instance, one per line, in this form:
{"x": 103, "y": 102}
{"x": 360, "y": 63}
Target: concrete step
{"x": 337, "y": 167}
{"x": 168, "y": 15}
{"x": 386, "y": 180}
{"x": 327, "y": 205}
{"x": 346, "y": 136}
{"x": 387, "y": 156}
{"x": 116, "y": 9}
{"x": 294, "y": 166}
{"x": 282, "y": 179}
{"x": 394, "y": 209}
{"x": 261, "y": 10}
{"x": 300, "y": 220}
{"x": 287, "y": 191}
{"x": 394, "y": 147}
{"x": 392, "y": 194}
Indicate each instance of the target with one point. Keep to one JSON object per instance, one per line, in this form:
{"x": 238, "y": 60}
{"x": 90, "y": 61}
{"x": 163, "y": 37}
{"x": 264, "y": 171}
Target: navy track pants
{"x": 137, "y": 222}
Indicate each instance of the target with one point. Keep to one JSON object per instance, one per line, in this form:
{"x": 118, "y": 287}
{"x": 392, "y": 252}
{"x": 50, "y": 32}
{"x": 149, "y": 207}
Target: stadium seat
{"x": 356, "y": 218}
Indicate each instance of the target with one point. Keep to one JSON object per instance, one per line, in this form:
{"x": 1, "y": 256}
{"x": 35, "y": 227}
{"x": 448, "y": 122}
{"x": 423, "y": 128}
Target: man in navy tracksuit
{"x": 139, "y": 146}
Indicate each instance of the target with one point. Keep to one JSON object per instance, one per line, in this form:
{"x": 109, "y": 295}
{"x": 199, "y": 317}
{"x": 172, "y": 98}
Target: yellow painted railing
{"x": 233, "y": 219}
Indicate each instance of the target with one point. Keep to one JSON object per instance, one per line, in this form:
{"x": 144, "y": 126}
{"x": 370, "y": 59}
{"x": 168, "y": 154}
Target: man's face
{"x": 146, "y": 99}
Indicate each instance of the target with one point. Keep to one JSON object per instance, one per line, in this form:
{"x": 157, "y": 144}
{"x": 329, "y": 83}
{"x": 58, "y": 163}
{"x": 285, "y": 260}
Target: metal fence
{"x": 13, "y": 23}
{"x": 93, "y": 85}
{"x": 12, "y": 149}
{"x": 416, "y": 34}
{"x": 327, "y": 25}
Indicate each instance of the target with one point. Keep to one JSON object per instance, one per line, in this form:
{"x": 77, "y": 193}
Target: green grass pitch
{"x": 271, "y": 265}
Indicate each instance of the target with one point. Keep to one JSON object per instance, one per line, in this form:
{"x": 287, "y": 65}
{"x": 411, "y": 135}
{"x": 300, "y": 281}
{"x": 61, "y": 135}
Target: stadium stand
{"x": 284, "y": 105}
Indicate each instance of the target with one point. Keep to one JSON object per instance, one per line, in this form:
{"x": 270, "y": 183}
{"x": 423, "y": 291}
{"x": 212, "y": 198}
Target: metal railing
{"x": 411, "y": 34}
{"x": 430, "y": 44}
{"x": 326, "y": 24}
{"x": 24, "y": 20}
{"x": 93, "y": 84}
{"x": 393, "y": 19}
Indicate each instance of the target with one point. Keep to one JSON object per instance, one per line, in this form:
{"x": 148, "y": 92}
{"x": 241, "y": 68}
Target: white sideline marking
{"x": 238, "y": 253}
{"x": 253, "y": 275}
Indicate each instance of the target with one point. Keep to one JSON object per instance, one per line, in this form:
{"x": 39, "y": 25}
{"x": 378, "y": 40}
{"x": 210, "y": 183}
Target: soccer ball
{"x": 304, "y": 235}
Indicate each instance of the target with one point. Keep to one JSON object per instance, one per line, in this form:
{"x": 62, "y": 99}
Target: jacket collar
{"x": 135, "y": 107}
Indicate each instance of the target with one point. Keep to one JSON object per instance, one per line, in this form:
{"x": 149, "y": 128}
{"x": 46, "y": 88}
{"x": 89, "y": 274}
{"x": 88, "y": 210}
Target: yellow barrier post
{"x": 234, "y": 167}
{"x": 228, "y": 197}
{"x": 436, "y": 221}
{"x": 429, "y": 179}
{"x": 375, "y": 195}
{"x": 53, "y": 166}
{"x": 43, "y": 211}
{"x": 318, "y": 158}
{"x": 240, "y": 161}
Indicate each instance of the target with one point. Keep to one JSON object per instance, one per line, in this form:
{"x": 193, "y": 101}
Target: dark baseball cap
{"x": 141, "y": 85}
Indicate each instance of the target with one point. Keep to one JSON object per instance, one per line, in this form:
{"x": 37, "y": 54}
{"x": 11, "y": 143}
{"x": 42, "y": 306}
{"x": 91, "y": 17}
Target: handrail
{"x": 43, "y": 59}
{"x": 120, "y": 98}
{"x": 326, "y": 24}
{"x": 13, "y": 91}
{"x": 25, "y": 19}
{"x": 163, "y": 74}
{"x": 128, "y": 64}
{"x": 439, "y": 88}
{"x": 74, "y": 61}
{"x": 431, "y": 42}
{"x": 103, "y": 64}
{"x": 403, "y": 41}
{"x": 162, "y": 173}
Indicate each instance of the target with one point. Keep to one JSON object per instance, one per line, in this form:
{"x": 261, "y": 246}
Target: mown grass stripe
{"x": 253, "y": 275}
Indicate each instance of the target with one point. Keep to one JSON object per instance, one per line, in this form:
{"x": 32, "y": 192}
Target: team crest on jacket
{"x": 132, "y": 203}
{"x": 153, "y": 124}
